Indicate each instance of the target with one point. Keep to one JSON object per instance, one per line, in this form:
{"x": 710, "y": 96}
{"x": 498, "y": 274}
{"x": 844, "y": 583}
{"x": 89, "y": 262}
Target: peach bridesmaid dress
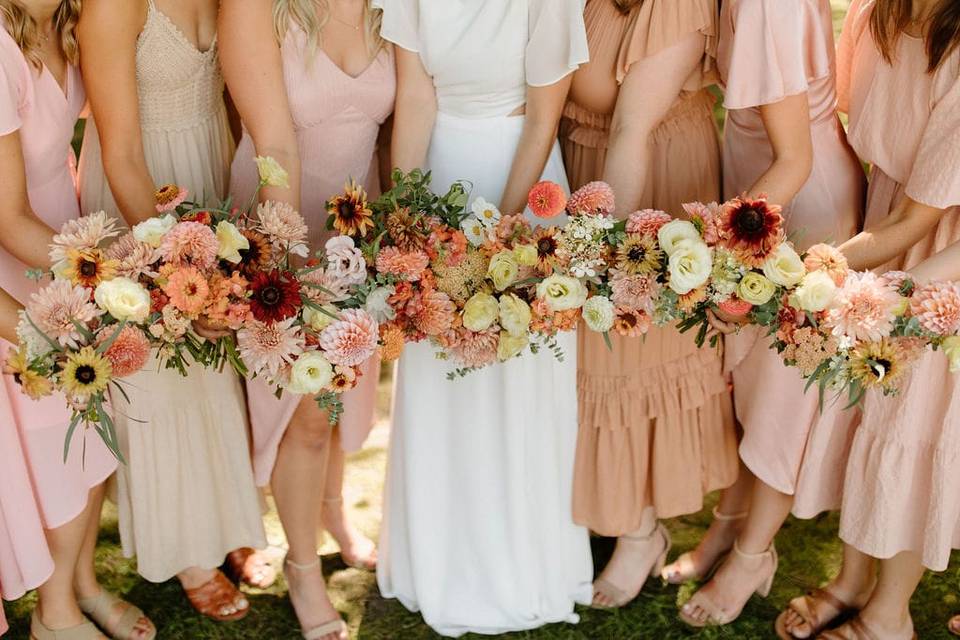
{"x": 902, "y": 491}
{"x": 769, "y": 50}
{"x": 656, "y": 423}
{"x": 37, "y": 490}
{"x": 337, "y": 119}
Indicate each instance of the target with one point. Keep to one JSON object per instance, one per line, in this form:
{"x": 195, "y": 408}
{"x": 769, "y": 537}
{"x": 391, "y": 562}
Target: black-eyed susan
{"x": 86, "y": 373}
{"x": 877, "y": 364}
{"x": 89, "y": 267}
{"x": 639, "y": 255}
{"x": 33, "y": 384}
{"x": 350, "y": 211}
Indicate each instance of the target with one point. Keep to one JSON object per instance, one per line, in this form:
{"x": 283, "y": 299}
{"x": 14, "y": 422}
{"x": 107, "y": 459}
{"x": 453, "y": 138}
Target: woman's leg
{"x": 633, "y": 560}
{"x": 356, "y": 549}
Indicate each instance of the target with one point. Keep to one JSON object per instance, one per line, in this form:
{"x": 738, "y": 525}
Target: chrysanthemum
{"x": 188, "y": 290}
{"x": 274, "y": 296}
{"x": 134, "y": 258}
{"x": 751, "y": 228}
{"x": 258, "y": 256}
{"x": 129, "y": 352}
{"x": 634, "y": 292}
{"x": 827, "y": 258}
{"x": 639, "y": 255}
{"x": 406, "y": 265}
{"x": 392, "y": 340}
{"x": 647, "y": 222}
{"x": 352, "y": 339}
{"x": 169, "y": 197}
{"x": 937, "y": 307}
{"x": 267, "y": 347}
{"x": 282, "y": 224}
{"x": 877, "y": 364}
{"x": 86, "y": 232}
{"x": 593, "y": 198}
{"x": 89, "y": 267}
{"x": 547, "y": 199}
{"x": 351, "y": 213}
{"x": 190, "y": 243}
{"x": 863, "y": 309}
{"x": 430, "y": 312}
{"x": 56, "y": 307}
{"x": 32, "y": 383}
{"x": 477, "y": 349}
{"x": 85, "y": 373}
{"x": 631, "y": 324}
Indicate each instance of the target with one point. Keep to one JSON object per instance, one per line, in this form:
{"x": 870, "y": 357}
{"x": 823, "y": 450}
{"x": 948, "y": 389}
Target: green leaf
{"x": 606, "y": 340}
{"x": 74, "y": 421}
{"x": 109, "y": 341}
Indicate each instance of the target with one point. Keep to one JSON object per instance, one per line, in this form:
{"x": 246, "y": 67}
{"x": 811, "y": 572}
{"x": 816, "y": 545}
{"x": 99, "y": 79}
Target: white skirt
{"x": 478, "y": 532}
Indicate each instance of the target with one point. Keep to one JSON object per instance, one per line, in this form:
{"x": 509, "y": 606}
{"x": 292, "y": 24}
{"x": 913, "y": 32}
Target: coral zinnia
{"x": 937, "y": 307}
{"x": 188, "y": 290}
{"x": 547, "y": 199}
{"x": 824, "y": 257}
{"x": 128, "y": 353}
{"x": 639, "y": 255}
{"x": 274, "y": 296}
{"x": 352, "y": 339}
{"x": 751, "y": 228}
{"x": 89, "y": 267}
{"x": 32, "y": 383}
{"x": 351, "y": 213}
{"x": 595, "y": 198}
{"x": 85, "y": 373}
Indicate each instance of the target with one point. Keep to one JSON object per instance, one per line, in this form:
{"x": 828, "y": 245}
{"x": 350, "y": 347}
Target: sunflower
{"x": 639, "y": 255}
{"x": 89, "y": 267}
{"x": 751, "y": 228}
{"x": 877, "y": 364}
{"x": 86, "y": 373}
{"x": 351, "y": 213}
{"x": 32, "y": 383}
{"x": 545, "y": 240}
{"x": 275, "y": 296}
{"x": 257, "y": 257}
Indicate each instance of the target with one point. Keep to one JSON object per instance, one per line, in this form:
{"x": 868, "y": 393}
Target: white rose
{"x": 510, "y": 346}
{"x": 784, "y": 266}
{"x": 152, "y": 231}
{"x": 562, "y": 293}
{"x": 124, "y": 299}
{"x": 310, "y": 374}
{"x": 815, "y": 293}
{"x": 756, "y": 289}
{"x": 231, "y": 242}
{"x": 318, "y": 320}
{"x": 480, "y": 312}
{"x": 690, "y": 265}
{"x": 599, "y": 314}
{"x": 674, "y": 232}
{"x": 486, "y": 213}
{"x": 378, "y": 304}
{"x": 515, "y": 315}
{"x": 503, "y": 270}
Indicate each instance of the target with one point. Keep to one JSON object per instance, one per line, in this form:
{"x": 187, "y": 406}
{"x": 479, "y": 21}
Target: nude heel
{"x": 618, "y": 596}
{"x": 683, "y": 569}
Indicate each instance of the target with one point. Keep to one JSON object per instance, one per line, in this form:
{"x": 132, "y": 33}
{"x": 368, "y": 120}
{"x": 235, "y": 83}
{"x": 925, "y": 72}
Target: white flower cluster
{"x": 581, "y": 242}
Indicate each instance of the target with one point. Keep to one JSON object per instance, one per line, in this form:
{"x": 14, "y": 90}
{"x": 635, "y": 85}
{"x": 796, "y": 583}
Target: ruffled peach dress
{"x": 655, "y": 419}
{"x": 37, "y": 489}
{"x": 769, "y": 50}
{"x": 337, "y": 119}
{"x": 902, "y": 491}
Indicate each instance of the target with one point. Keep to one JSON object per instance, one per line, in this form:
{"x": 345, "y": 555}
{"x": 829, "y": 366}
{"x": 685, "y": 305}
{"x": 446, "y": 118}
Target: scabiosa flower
{"x": 86, "y": 232}
{"x": 284, "y": 226}
{"x": 89, "y": 267}
{"x": 258, "y": 256}
{"x": 477, "y": 349}
{"x": 408, "y": 266}
{"x": 639, "y": 254}
{"x": 190, "y": 243}
{"x": 187, "y": 290}
{"x": 431, "y": 312}
{"x": 864, "y": 309}
{"x": 274, "y": 296}
{"x": 824, "y": 257}
{"x": 169, "y": 197}
{"x": 351, "y": 213}
{"x": 593, "y": 198}
{"x": 634, "y": 292}
{"x": 55, "y": 308}
{"x": 85, "y": 373}
{"x": 631, "y": 324}
{"x": 751, "y": 228}
{"x": 133, "y": 258}
{"x": 267, "y": 347}
{"x": 546, "y": 199}
{"x": 392, "y": 340}
{"x": 129, "y": 351}
{"x": 32, "y": 383}
{"x": 647, "y": 222}
{"x": 352, "y": 339}
{"x": 937, "y": 307}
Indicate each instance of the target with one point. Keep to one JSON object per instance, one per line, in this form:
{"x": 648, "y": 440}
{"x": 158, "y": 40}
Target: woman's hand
{"x": 725, "y": 323}
{"x": 211, "y": 332}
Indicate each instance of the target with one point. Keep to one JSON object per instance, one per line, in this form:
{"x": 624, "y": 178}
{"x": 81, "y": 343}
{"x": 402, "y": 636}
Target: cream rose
{"x": 318, "y": 320}
{"x": 674, "y": 232}
{"x": 562, "y": 293}
{"x": 514, "y": 315}
{"x": 480, "y": 312}
{"x": 511, "y": 346}
{"x": 310, "y": 374}
{"x": 815, "y": 293}
{"x": 526, "y": 255}
{"x": 784, "y": 266}
{"x": 951, "y": 349}
{"x": 756, "y": 289}
{"x": 271, "y": 173}
{"x": 152, "y": 231}
{"x": 231, "y": 242}
{"x": 599, "y": 314}
{"x": 124, "y": 299}
{"x": 503, "y": 270}
{"x": 690, "y": 265}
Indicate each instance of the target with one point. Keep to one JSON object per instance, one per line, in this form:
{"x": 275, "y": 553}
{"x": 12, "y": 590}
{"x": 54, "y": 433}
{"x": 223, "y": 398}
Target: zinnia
{"x": 352, "y": 339}
{"x": 547, "y": 199}
{"x": 824, "y": 257}
{"x": 169, "y": 197}
{"x": 188, "y": 290}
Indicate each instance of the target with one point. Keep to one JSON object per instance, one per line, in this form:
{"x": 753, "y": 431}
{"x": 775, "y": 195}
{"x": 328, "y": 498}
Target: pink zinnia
{"x": 647, "y": 222}
{"x": 547, "y": 199}
{"x": 129, "y": 352}
{"x": 352, "y": 339}
{"x": 477, "y": 349}
{"x": 188, "y": 290}
{"x": 55, "y": 308}
{"x": 593, "y": 198}
{"x": 408, "y": 265}
{"x": 190, "y": 243}
{"x": 827, "y": 258}
{"x": 268, "y": 347}
{"x": 169, "y": 197}
{"x": 864, "y": 309}
{"x": 631, "y": 324}
{"x": 431, "y": 312}
{"x": 634, "y": 292}
{"x": 707, "y": 215}
{"x": 937, "y": 307}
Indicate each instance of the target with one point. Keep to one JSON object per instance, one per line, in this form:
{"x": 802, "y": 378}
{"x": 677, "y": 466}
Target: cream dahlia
{"x": 864, "y": 308}
{"x": 352, "y": 339}
{"x": 937, "y": 307}
{"x": 56, "y": 307}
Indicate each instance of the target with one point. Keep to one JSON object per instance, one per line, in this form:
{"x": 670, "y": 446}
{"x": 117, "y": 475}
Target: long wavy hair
{"x": 941, "y": 30}
{"x": 313, "y": 15}
{"x": 26, "y": 32}
{"x": 626, "y": 5}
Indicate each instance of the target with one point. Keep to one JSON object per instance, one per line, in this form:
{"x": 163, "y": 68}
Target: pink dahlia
{"x": 937, "y": 307}
{"x": 593, "y": 198}
{"x": 634, "y": 292}
{"x": 352, "y": 339}
{"x": 864, "y": 308}
{"x": 129, "y": 352}
{"x": 408, "y": 265}
{"x": 188, "y": 290}
{"x": 190, "y": 243}
{"x": 268, "y": 347}
{"x": 321, "y": 287}
{"x": 825, "y": 257}
{"x": 896, "y": 279}
{"x": 705, "y": 216}
{"x": 281, "y": 223}
{"x": 477, "y": 349}
{"x": 56, "y": 307}
{"x": 647, "y": 222}
{"x": 431, "y": 312}
{"x": 547, "y": 199}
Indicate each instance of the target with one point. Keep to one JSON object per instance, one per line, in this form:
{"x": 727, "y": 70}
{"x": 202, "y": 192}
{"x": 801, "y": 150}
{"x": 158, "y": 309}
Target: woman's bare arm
{"x": 787, "y": 124}
{"x": 415, "y": 112}
{"x": 9, "y": 317}
{"x": 941, "y": 266}
{"x": 25, "y": 235}
{"x": 906, "y": 225}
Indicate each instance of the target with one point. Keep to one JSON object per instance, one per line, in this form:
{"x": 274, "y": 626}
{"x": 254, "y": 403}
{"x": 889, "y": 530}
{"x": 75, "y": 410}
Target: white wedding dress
{"x": 478, "y": 533}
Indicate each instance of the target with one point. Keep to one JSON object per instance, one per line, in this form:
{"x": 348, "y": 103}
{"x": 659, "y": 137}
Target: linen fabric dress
{"x": 186, "y": 496}
{"x": 478, "y": 533}
{"x": 337, "y": 119}
{"x": 656, "y": 421}
{"x": 770, "y": 50}
{"x": 901, "y": 491}
{"x": 37, "y": 489}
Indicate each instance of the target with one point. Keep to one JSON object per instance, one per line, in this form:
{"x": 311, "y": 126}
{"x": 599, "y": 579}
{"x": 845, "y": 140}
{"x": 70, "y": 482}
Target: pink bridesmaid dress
{"x": 37, "y": 490}
{"x": 769, "y": 50}
{"x": 902, "y": 491}
{"x": 337, "y": 119}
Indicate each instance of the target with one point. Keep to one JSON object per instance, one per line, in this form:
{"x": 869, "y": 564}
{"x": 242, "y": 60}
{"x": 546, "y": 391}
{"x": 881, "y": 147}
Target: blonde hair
{"x": 313, "y": 15}
{"x": 26, "y": 32}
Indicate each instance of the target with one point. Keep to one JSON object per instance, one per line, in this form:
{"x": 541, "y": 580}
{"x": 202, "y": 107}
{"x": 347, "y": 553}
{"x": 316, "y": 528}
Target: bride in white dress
{"x": 478, "y": 533}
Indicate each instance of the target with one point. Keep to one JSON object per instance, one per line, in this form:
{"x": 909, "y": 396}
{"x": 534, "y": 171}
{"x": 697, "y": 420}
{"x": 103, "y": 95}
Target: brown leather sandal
{"x": 219, "y": 599}
{"x": 810, "y": 601}
{"x": 856, "y": 629}
{"x": 251, "y": 567}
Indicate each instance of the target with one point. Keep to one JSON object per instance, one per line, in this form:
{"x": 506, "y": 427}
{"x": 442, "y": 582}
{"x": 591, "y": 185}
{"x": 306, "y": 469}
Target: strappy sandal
{"x": 615, "y": 594}
{"x": 86, "y": 630}
{"x": 683, "y": 569}
{"x": 336, "y": 628}
{"x": 218, "y": 599}
{"x": 844, "y": 612}
{"x": 716, "y": 616}
{"x": 251, "y": 567}
{"x": 953, "y": 625}
{"x": 367, "y": 562}
{"x": 857, "y": 627}
{"x": 103, "y": 609}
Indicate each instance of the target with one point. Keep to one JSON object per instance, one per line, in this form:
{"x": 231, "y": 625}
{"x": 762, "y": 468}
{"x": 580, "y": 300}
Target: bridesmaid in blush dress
{"x": 313, "y": 83}
{"x": 783, "y": 138}
{"x": 656, "y": 421}
{"x": 49, "y": 508}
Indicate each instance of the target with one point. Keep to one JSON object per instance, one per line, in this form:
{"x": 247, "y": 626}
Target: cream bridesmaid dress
{"x": 186, "y": 495}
